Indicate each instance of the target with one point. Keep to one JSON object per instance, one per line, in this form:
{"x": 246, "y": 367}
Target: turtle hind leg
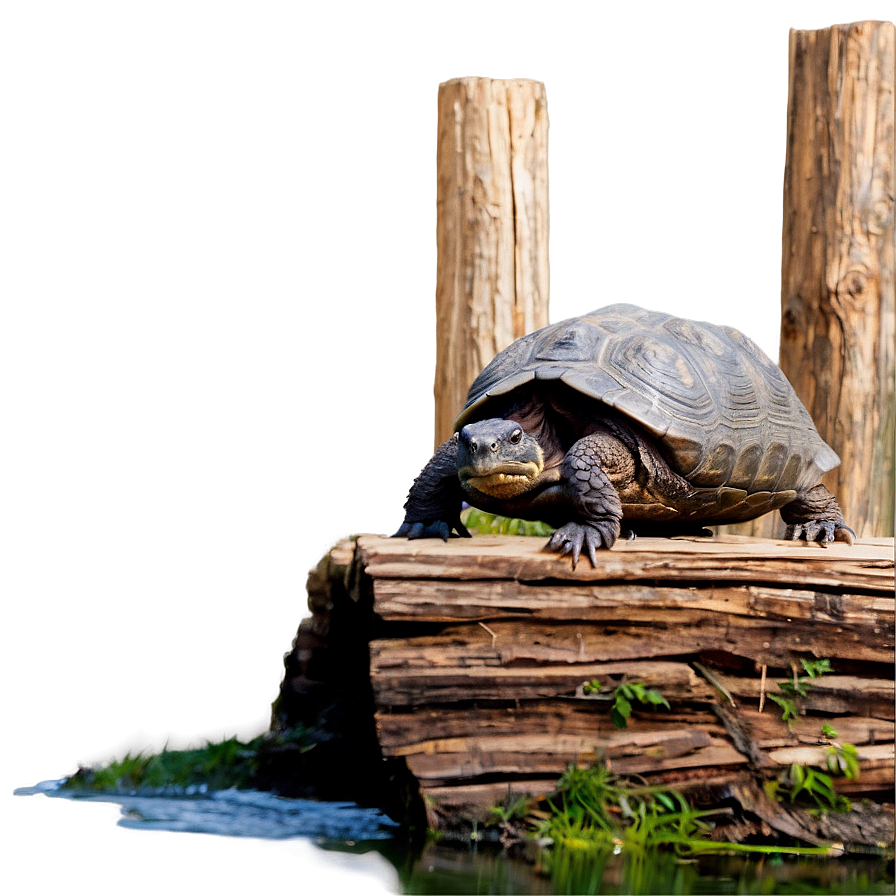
{"x": 815, "y": 515}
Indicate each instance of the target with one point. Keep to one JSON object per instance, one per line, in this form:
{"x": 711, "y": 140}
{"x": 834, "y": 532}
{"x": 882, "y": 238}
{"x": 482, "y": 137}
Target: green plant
{"x": 591, "y": 807}
{"x": 492, "y": 524}
{"x": 816, "y": 668}
{"x": 789, "y": 708}
{"x": 592, "y": 812}
{"x": 513, "y": 809}
{"x": 624, "y": 695}
{"x": 812, "y": 786}
{"x": 797, "y": 687}
{"x": 843, "y": 759}
{"x": 216, "y": 766}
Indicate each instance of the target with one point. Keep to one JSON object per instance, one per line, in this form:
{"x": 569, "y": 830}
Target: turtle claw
{"x": 823, "y": 532}
{"x": 435, "y": 529}
{"x": 571, "y": 539}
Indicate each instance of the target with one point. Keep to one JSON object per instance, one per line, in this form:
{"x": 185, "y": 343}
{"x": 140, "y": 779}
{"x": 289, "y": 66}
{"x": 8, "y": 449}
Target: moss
{"x": 216, "y": 766}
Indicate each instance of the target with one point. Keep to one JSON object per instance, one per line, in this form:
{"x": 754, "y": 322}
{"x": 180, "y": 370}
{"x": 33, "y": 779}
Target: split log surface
{"x": 483, "y": 647}
{"x": 465, "y": 663}
{"x": 838, "y": 328}
{"x": 492, "y": 229}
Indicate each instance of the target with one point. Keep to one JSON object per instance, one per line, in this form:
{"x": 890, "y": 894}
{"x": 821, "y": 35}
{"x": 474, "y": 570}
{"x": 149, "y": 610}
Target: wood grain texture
{"x": 481, "y": 688}
{"x": 867, "y": 566}
{"x": 492, "y": 229}
{"x": 838, "y": 329}
{"x": 409, "y": 730}
{"x": 774, "y": 642}
{"x": 406, "y": 674}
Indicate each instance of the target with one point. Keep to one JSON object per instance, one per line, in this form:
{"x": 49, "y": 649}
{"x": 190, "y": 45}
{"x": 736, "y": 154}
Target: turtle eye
{"x": 516, "y": 435}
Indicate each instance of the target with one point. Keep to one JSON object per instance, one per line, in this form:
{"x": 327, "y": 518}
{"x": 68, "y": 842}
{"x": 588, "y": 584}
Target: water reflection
{"x": 442, "y": 868}
{"x": 433, "y": 867}
{"x": 61, "y": 845}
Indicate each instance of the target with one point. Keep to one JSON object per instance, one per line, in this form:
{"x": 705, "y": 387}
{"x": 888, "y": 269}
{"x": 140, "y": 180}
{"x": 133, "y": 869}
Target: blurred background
{"x": 218, "y": 325}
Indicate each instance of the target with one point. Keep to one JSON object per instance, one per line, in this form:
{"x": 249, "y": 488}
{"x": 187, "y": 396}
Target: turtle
{"x": 634, "y": 418}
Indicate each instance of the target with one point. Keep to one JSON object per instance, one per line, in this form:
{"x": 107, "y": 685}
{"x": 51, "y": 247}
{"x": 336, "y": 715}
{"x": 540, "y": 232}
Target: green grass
{"x": 491, "y": 524}
{"x": 216, "y": 766}
{"x": 592, "y": 811}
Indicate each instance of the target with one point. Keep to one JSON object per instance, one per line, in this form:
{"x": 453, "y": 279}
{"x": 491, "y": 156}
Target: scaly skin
{"x": 435, "y": 499}
{"x": 593, "y": 495}
{"x": 815, "y": 515}
{"x": 497, "y": 466}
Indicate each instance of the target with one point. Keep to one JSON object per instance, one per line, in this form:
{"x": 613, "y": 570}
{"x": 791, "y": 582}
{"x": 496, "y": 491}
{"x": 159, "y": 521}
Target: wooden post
{"x": 838, "y": 325}
{"x": 492, "y": 229}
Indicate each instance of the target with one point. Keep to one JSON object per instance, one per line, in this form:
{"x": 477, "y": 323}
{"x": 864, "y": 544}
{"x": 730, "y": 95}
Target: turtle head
{"x": 498, "y": 458}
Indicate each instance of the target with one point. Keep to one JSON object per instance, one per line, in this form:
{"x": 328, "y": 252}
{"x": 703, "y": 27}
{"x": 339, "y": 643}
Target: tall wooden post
{"x": 838, "y": 327}
{"x": 492, "y": 229}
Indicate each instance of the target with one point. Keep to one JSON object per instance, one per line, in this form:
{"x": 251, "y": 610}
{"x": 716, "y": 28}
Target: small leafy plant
{"x": 797, "y": 688}
{"x": 799, "y": 685}
{"x": 812, "y": 785}
{"x": 789, "y": 709}
{"x": 513, "y": 809}
{"x": 624, "y": 695}
{"x": 843, "y": 759}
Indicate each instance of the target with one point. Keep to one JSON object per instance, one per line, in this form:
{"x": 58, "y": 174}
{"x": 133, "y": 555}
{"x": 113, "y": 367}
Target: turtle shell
{"x": 722, "y": 413}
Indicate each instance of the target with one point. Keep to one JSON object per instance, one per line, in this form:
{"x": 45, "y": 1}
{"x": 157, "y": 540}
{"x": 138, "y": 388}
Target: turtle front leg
{"x": 592, "y": 470}
{"x": 815, "y": 515}
{"x": 434, "y": 502}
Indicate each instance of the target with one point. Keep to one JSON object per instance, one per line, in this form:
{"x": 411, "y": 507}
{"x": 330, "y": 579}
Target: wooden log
{"x": 759, "y": 623}
{"x": 492, "y": 229}
{"x": 464, "y": 761}
{"x": 401, "y": 729}
{"x": 430, "y": 600}
{"x": 775, "y": 644}
{"x": 479, "y": 651}
{"x": 766, "y": 730}
{"x": 867, "y": 566}
{"x": 838, "y": 328}
{"x": 400, "y": 681}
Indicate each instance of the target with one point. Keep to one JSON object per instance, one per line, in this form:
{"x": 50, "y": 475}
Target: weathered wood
{"x": 402, "y": 729}
{"x": 467, "y": 760}
{"x": 775, "y": 644}
{"x": 766, "y": 730}
{"x": 749, "y": 621}
{"x": 836, "y": 694}
{"x": 404, "y": 732}
{"x": 867, "y": 566}
{"x": 404, "y": 677}
{"x": 875, "y": 756}
{"x": 432, "y": 600}
{"x": 838, "y": 328}
{"x": 479, "y": 651}
{"x": 492, "y": 229}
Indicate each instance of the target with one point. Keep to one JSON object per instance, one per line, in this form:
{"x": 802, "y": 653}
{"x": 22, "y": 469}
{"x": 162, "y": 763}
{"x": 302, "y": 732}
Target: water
{"x": 333, "y": 842}
{"x": 55, "y": 845}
